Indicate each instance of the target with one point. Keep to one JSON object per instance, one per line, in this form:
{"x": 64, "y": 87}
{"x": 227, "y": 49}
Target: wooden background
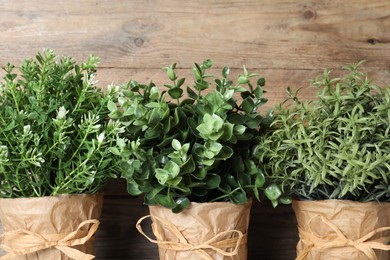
{"x": 287, "y": 41}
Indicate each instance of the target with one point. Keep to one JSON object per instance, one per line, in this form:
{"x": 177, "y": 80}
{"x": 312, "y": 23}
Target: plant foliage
{"x": 196, "y": 147}
{"x": 54, "y": 136}
{"x": 336, "y": 147}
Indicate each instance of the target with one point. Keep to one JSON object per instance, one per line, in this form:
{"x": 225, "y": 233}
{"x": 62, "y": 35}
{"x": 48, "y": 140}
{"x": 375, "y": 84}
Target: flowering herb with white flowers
{"x": 54, "y": 134}
{"x": 199, "y": 145}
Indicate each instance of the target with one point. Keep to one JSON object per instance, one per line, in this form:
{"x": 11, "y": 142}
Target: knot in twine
{"x": 25, "y": 241}
{"x": 362, "y": 244}
{"x": 217, "y": 243}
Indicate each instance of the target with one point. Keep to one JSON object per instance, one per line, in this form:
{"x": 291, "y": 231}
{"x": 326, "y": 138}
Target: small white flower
{"x": 100, "y": 138}
{"x": 62, "y": 113}
{"x": 4, "y": 150}
{"x": 26, "y": 129}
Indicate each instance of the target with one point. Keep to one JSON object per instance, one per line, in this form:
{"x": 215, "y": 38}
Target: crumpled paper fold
{"x": 58, "y": 227}
{"x": 342, "y": 229}
{"x": 208, "y": 231}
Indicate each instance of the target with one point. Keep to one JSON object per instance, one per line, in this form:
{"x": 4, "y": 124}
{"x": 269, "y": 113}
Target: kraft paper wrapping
{"x": 203, "y": 231}
{"x": 340, "y": 229}
{"x": 44, "y": 228}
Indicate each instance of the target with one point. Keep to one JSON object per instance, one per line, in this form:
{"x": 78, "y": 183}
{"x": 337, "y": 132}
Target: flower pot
{"x": 340, "y": 229}
{"x": 203, "y": 231}
{"x": 58, "y": 227}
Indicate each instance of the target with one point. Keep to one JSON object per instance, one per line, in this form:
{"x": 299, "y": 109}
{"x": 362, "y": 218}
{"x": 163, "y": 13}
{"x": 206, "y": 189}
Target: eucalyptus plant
{"x": 54, "y": 134}
{"x": 335, "y": 147}
{"x": 192, "y": 143}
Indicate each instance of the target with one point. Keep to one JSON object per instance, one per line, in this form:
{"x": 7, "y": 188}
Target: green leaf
{"x": 165, "y": 201}
{"x": 176, "y": 144}
{"x": 274, "y": 203}
{"x": 114, "y": 151}
{"x": 171, "y": 73}
{"x": 111, "y": 106}
{"x": 258, "y": 92}
{"x": 191, "y": 93}
{"x": 201, "y": 174}
{"x": 285, "y": 200}
{"x": 188, "y": 166}
{"x": 10, "y": 126}
{"x": 207, "y": 64}
{"x": 214, "y": 147}
{"x": 250, "y": 167}
{"x": 132, "y": 189}
{"x": 238, "y": 164}
{"x": 156, "y": 190}
{"x": 200, "y": 192}
{"x": 239, "y": 129}
{"x": 181, "y": 204}
{"x": 231, "y": 181}
{"x": 254, "y": 122}
{"x": 273, "y": 192}
{"x": 227, "y": 132}
{"x": 261, "y": 82}
{"x": 260, "y": 180}
{"x": 213, "y": 181}
{"x": 243, "y": 79}
{"x": 201, "y": 85}
{"x": 248, "y": 105}
{"x": 225, "y": 72}
{"x": 162, "y": 175}
{"x": 225, "y": 153}
{"x": 197, "y": 71}
{"x": 236, "y": 119}
{"x": 180, "y": 82}
{"x": 175, "y": 92}
{"x": 155, "y": 116}
{"x": 244, "y": 179}
{"x": 256, "y": 193}
{"x": 239, "y": 197}
{"x": 154, "y": 93}
{"x": 172, "y": 168}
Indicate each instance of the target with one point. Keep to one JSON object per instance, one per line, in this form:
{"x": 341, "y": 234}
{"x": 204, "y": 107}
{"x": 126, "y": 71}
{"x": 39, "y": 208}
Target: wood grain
{"x": 272, "y": 232}
{"x": 288, "y": 42}
{"x": 276, "y": 85}
{"x": 282, "y": 34}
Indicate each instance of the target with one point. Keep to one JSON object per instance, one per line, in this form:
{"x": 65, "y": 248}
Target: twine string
{"x": 25, "y": 241}
{"x": 363, "y": 244}
{"x": 216, "y": 243}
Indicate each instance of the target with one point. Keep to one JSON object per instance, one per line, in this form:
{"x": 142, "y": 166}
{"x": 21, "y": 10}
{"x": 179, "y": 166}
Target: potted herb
{"x": 55, "y": 143}
{"x": 192, "y": 154}
{"x": 332, "y": 156}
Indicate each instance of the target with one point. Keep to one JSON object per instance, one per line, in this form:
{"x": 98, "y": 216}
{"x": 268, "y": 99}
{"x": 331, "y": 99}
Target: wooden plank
{"x": 288, "y": 42}
{"x": 272, "y": 232}
{"x": 149, "y": 34}
{"x": 277, "y": 81}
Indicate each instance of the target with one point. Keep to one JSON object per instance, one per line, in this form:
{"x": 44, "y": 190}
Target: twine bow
{"x": 217, "y": 243}
{"x": 362, "y": 244}
{"x": 25, "y": 241}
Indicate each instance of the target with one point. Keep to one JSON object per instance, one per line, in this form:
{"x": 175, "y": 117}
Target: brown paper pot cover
{"x": 203, "y": 230}
{"x": 341, "y": 229}
{"x": 48, "y": 217}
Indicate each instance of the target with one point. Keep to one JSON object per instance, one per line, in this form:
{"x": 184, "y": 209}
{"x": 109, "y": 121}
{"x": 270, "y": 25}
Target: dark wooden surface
{"x": 287, "y": 41}
{"x": 272, "y": 232}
